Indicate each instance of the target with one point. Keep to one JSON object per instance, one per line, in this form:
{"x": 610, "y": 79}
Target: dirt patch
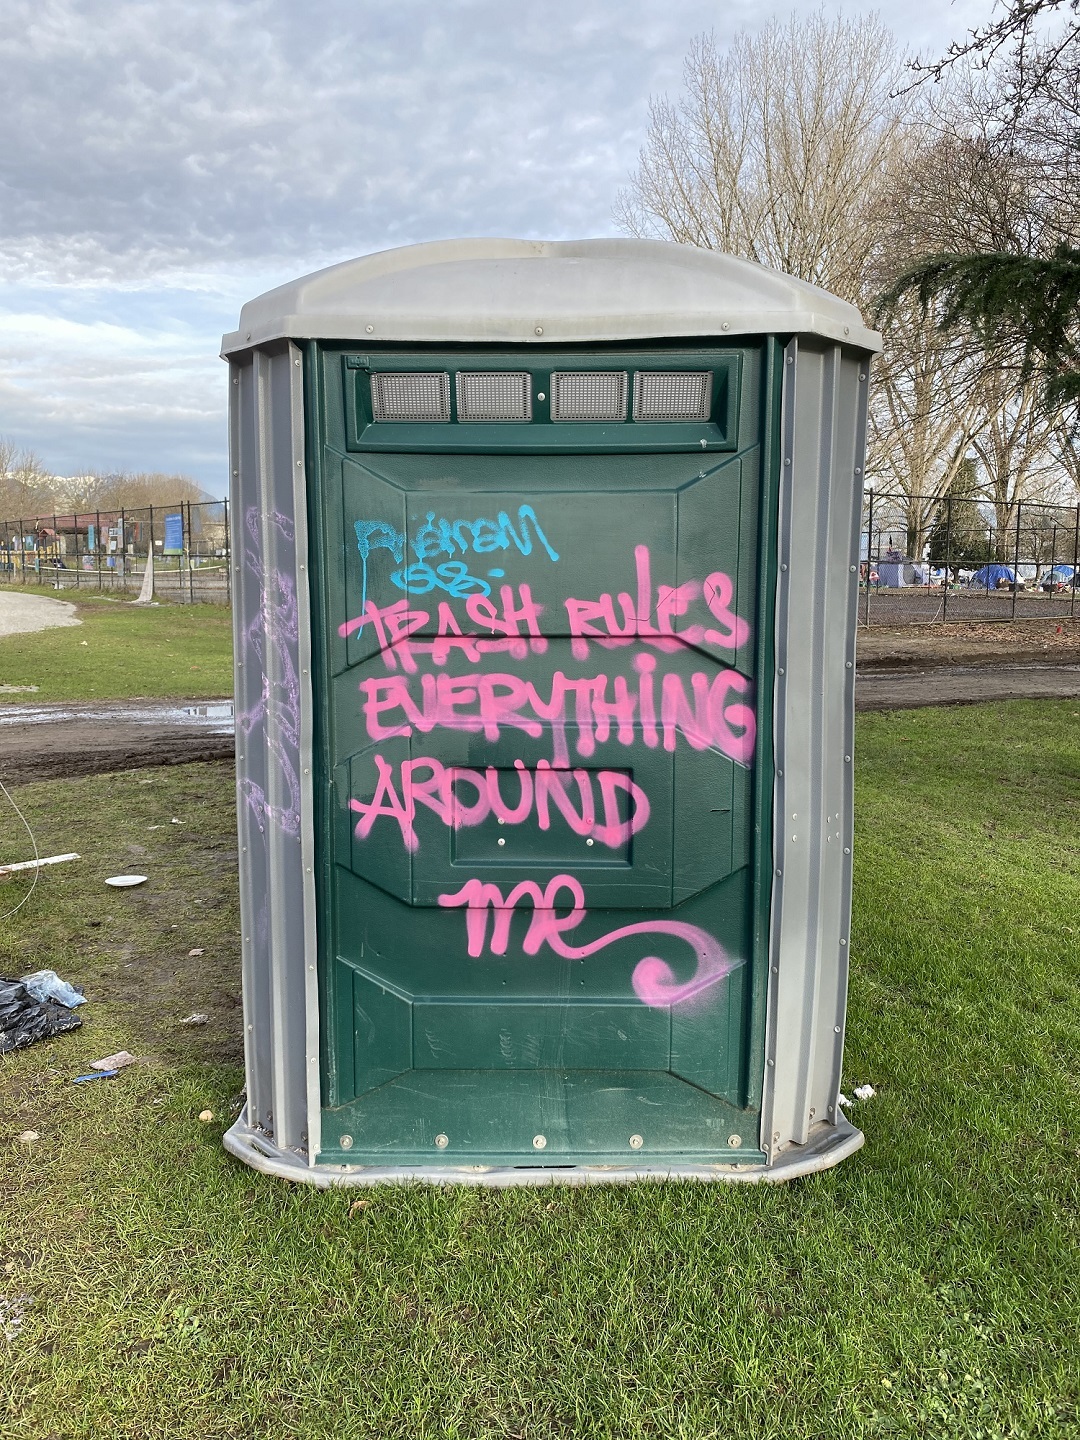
{"x": 1031, "y": 642}
{"x": 53, "y": 752}
{"x": 912, "y": 687}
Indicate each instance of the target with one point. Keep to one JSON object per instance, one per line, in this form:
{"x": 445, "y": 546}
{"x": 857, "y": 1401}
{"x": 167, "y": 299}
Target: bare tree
{"x": 777, "y": 149}
{"x": 925, "y": 408}
{"x": 23, "y": 482}
{"x": 125, "y": 490}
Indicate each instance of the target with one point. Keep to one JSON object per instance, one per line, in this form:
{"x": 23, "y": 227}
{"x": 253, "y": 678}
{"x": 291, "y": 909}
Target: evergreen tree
{"x": 959, "y": 537}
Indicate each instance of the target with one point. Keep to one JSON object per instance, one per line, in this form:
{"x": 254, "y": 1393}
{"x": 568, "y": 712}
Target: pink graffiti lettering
{"x": 397, "y": 627}
{"x": 540, "y": 790}
{"x": 671, "y": 602}
{"x": 719, "y": 714}
{"x": 653, "y": 979}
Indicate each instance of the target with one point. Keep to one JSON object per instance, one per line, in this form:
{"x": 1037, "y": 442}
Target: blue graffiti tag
{"x": 448, "y": 537}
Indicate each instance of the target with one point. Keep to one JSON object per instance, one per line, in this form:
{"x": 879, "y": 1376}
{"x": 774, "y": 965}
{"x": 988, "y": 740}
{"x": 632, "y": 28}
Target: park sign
{"x": 174, "y": 534}
{"x": 546, "y": 564}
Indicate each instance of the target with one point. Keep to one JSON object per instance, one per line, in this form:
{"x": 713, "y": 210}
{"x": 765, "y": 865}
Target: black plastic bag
{"x": 24, "y": 1019}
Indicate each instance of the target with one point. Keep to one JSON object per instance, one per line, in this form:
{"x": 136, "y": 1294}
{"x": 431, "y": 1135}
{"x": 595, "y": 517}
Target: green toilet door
{"x": 542, "y": 736}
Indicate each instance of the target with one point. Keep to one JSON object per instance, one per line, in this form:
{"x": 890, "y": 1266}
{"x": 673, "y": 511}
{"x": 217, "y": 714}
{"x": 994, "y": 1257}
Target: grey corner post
{"x": 272, "y": 628}
{"x": 822, "y": 444}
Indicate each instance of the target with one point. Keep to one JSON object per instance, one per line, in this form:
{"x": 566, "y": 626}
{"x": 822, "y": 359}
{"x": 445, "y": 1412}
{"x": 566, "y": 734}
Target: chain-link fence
{"x": 963, "y": 559}
{"x": 110, "y": 550}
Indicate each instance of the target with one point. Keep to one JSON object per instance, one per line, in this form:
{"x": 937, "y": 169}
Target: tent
{"x": 989, "y": 577}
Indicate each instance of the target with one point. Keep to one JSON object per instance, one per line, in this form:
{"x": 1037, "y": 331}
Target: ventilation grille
{"x": 588, "y": 395}
{"x": 672, "y": 395}
{"x": 494, "y": 396}
{"x": 410, "y": 396}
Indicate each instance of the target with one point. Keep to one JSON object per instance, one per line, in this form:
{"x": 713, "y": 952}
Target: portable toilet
{"x": 545, "y": 582}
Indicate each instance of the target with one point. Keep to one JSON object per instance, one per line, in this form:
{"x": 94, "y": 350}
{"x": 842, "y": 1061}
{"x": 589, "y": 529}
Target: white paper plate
{"x": 123, "y": 881}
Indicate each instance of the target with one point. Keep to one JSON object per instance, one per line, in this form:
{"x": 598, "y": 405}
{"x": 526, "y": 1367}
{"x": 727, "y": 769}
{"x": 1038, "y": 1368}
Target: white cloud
{"x": 162, "y": 163}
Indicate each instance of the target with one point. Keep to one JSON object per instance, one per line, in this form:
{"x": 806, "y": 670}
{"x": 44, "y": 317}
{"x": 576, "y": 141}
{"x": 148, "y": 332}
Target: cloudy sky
{"x": 165, "y": 162}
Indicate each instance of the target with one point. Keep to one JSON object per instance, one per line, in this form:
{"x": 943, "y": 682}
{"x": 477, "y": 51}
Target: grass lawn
{"x": 122, "y": 651}
{"x": 926, "y": 1288}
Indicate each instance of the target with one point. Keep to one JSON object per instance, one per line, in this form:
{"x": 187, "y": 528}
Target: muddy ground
{"x": 897, "y": 670}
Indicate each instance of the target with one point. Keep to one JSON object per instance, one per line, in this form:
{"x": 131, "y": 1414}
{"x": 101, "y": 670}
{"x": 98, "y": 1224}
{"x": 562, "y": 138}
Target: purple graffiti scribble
{"x": 653, "y": 979}
{"x": 268, "y": 644}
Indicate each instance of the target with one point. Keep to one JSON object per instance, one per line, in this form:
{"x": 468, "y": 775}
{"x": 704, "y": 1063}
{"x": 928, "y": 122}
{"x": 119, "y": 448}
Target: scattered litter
{"x": 123, "y": 882}
{"x": 864, "y": 1092}
{"x": 23, "y": 1020}
{"x": 12, "y": 1314}
{"x": 36, "y": 864}
{"x": 358, "y": 1205}
{"x": 206, "y": 1116}
{"x": 197, "y": 951}
{"x": 95, "y": 1075}
{"x": 196, "y": 1019}
{"x": 119, "y": 1061}
{"x": 174, "y": 821}
{"x": 842, "y": 1099}
{"x": 84, "y": 642}
{"x": 47, "y": 985}
{"x": 155, "y": 827}
{"x": 18, "y": 689}
{"x": 27, "y": 1137}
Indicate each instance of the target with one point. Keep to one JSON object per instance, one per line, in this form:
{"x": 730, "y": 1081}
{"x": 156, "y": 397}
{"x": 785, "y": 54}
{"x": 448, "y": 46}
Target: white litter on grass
{"x": 864, "y": 1092}
{"x": 197, "y": 951}
{"x": 197, "y": 1019}
{"x": 124, "y": 882}
{"x": 842, "y": 1099}
{"x": 27, "y": 1137}
{"x": 12, "y": 1314}
{"x": 119, "y": 1061}
{"x": 18, "y": 689}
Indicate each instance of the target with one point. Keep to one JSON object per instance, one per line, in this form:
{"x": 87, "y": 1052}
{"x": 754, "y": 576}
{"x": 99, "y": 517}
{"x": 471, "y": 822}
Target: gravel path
{"x": 23, "y": 614}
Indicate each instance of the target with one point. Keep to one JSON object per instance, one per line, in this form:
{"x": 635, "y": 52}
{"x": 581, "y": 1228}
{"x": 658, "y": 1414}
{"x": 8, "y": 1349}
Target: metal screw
{"x": 847, "y": 329}
{"x": 848, "y": 664}
{"x": 776, "y": 1136}
{"x": 725, "y": 326}
{"x": 236, "y": 472}
{"x": 858, "y": 469}
{"x": 847, "y": 849}
{"x": 296, "y": 362}
{"x": 788, "y": 460}
{"x": 783, "y": 567}
{"x": 775, "y": 971}
{"x": 539, "y": 330}
{"x": 590, "y": 842}
{"x": 770, "y": 1063}
{"x": 843, "y": 942}
{"x": 539, "y": 1142}
{"x": 734, "y": 1141}
{"x": 441, "y": 1141}
{"x": 852, "y": 569}
{"x": 636, "y": 1142}
{"x": 236, "y": 381}
{"x": 836, "y": 1029}
{"x": 791, "y": 359}
{"x": 847, "y": 759}
{"x": 501, "y": 840}
{"x": 345, "y": 1142}
{"x": 780, "y": 672}
{"x": 369, "y": 328}
{"x": 862, "y": 377}
{"x": 541, "y": 396}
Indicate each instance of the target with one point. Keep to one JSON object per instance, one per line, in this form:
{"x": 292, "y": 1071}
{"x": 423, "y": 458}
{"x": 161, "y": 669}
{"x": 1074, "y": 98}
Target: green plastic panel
{"x": 541, "y": 718}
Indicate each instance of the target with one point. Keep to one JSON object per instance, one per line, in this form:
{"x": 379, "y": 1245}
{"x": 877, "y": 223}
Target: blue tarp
{"x": 989, "y": 575}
